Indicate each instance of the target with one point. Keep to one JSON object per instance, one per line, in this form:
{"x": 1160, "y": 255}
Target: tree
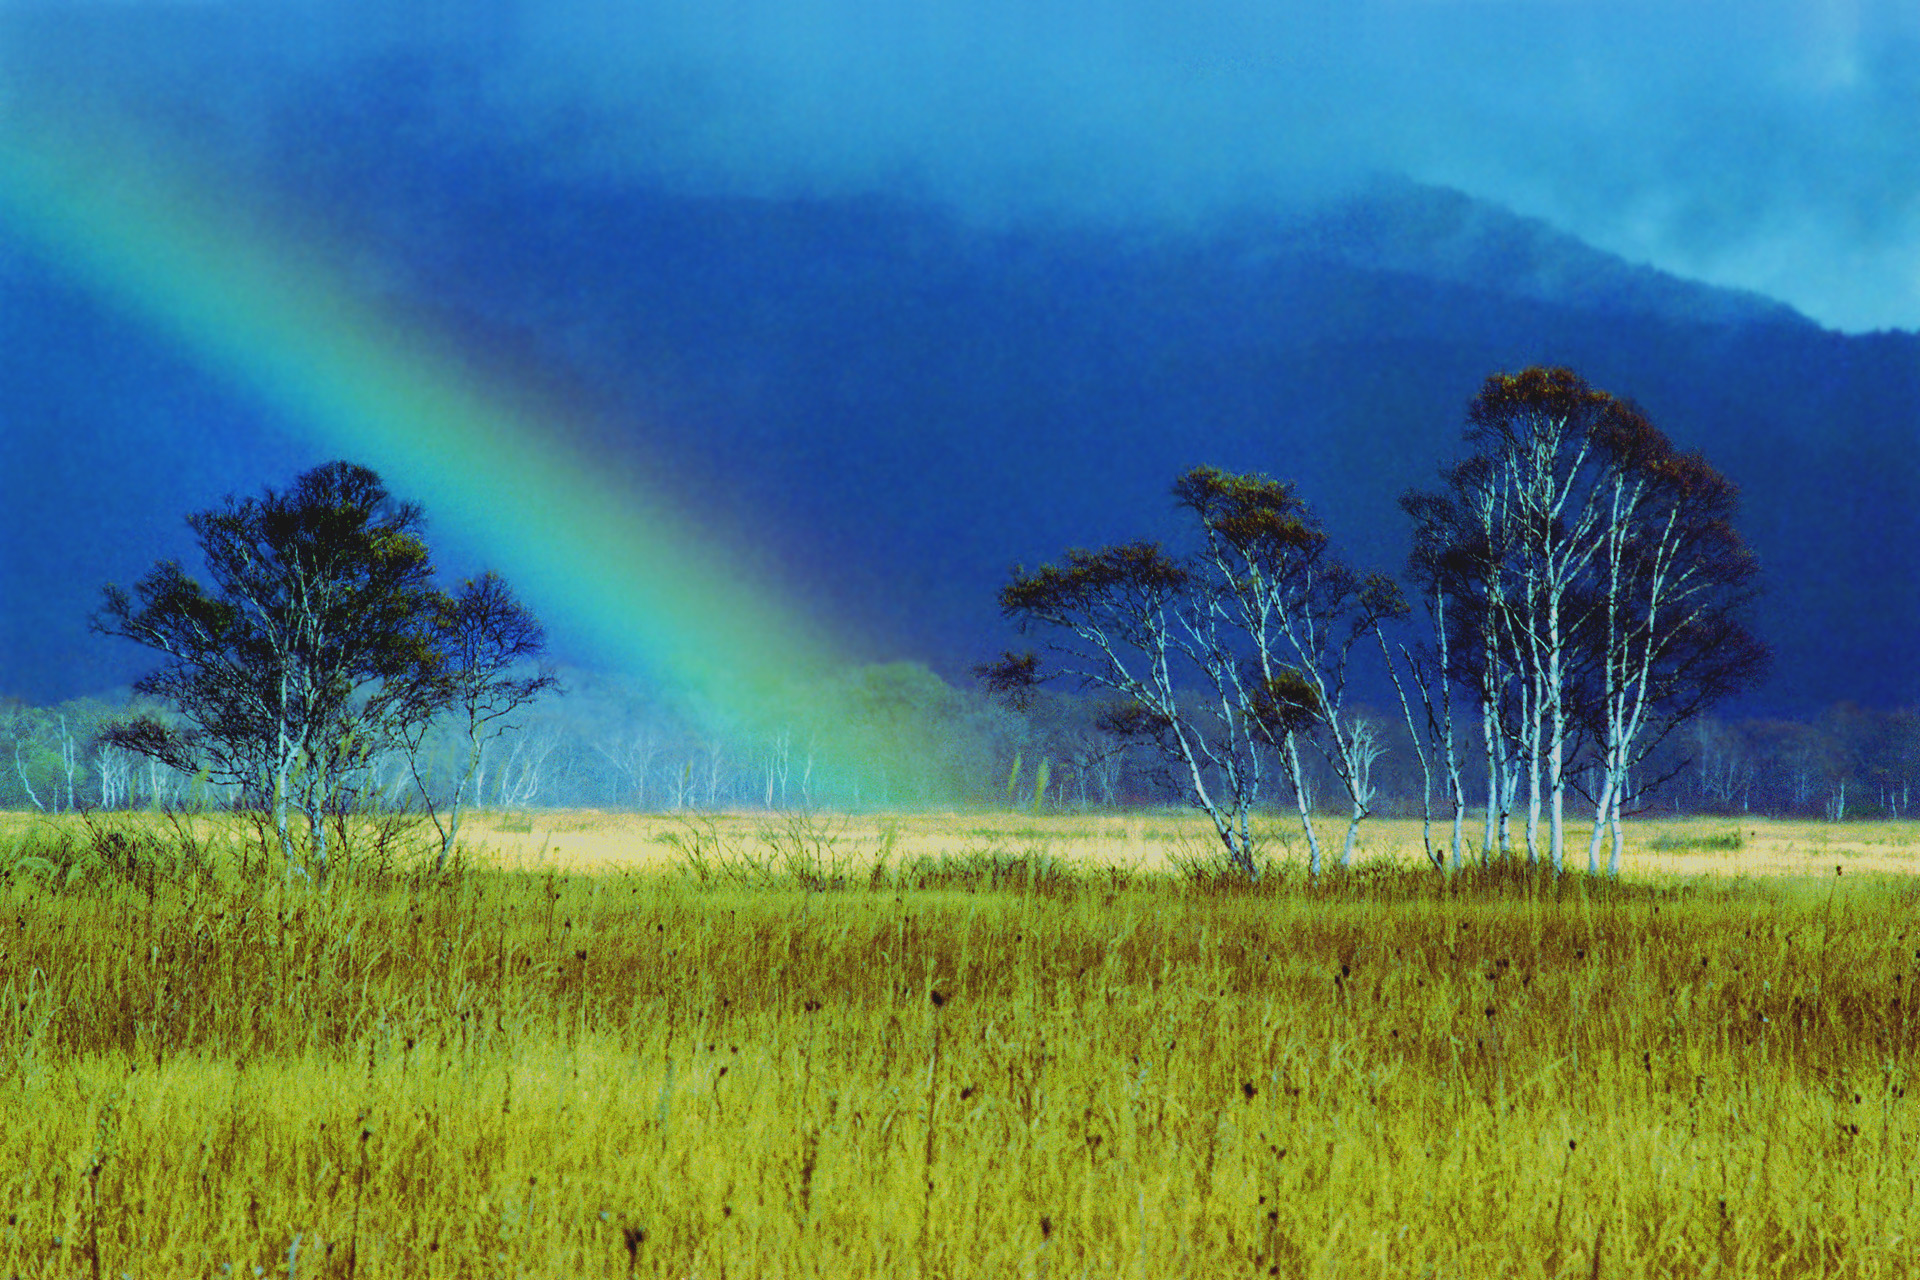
{"x": 1431, "y": 732}
{"x": 29, "y": 744}
{"x": 1723, "y": 766}
{"x": 1223, "y": 659}
{"x": 1452, "y": 566}
{"x": 1598, "y": 586}
{"x": 1127, "y": 621}
{"x": 1675, "y": 579}
{"x": 318, "y": 636}
{"x": 1272, "y": 570}
{"x": 481, "y": 641}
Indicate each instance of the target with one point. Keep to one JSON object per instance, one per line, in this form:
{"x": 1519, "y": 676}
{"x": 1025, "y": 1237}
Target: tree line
{"x": 611, "y": 743}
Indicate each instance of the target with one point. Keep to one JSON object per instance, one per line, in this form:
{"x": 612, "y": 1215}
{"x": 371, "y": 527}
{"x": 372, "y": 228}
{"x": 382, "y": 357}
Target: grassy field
{"x": 958, "y": 1045}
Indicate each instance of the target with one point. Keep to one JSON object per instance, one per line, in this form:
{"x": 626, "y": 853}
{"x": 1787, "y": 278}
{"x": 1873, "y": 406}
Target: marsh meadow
{"x": 952, "y": 1045}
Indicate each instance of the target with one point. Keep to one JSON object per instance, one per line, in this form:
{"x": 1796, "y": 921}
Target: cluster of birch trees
{"x": 1583, "y": 587}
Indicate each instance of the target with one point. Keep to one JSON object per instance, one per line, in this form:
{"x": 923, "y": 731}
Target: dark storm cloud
{"x": 1767, "y": 144}
{"x": 1764, "y": 143}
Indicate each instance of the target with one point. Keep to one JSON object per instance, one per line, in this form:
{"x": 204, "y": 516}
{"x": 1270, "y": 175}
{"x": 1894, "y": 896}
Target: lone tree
{"x": 1224, "y": 659}
{"x": 318, "y": 639}
{"x": 1591, "y": 587}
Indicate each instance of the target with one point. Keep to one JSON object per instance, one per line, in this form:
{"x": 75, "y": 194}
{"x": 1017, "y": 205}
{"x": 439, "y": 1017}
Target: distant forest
{"x": 610, "y": 744}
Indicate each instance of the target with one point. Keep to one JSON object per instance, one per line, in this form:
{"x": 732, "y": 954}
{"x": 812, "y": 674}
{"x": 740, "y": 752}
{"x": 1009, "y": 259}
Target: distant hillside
{"x": 897, "y": 406}
{"x": 907, "y": 404}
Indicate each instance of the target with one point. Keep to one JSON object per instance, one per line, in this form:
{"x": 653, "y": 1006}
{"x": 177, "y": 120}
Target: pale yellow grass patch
{"x": 1161, "y": 839}
{"x": 597, "y": 840}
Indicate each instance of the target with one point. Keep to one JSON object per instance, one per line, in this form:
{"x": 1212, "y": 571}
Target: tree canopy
{"x": 317, "y": 638}
{"x": 1594, "y": 583}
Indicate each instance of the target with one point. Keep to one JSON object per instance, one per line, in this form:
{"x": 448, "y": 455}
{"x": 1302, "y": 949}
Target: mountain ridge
{"x": 893, "y": 404}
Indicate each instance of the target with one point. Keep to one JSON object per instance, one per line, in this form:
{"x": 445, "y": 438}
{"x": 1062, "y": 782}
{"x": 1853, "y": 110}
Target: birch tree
{"x": 1674, "y": 582}
{"x": 632, "y": 750}
{"x": 1127, "y": 619}
{"x": 1302, "y": 611}
{"x": 523, "y": 774}
{"x": 483, "y": 647}
{"x": 1228, "y": 660}
{"x": 1518, "y": 532}
{"x": 1597, "y": 577}
{"x": 1456, "y": 567}
{"x": 24, "y": 727}
{"x": 283, "y": 669}
{"x": 1431, "y": 729}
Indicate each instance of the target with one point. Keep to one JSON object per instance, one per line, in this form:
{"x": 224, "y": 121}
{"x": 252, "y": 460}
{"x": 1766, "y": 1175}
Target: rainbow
{"x": 647, "y": 589}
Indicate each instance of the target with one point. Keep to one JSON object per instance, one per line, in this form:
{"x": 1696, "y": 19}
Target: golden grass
{"x": 997, "y": 1057}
